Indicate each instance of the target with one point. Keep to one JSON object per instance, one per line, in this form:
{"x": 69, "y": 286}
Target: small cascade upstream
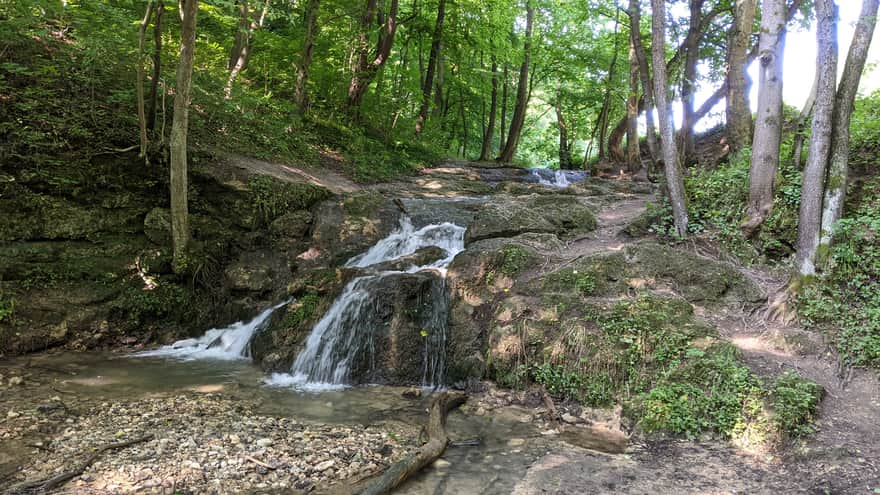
{"x": 228, "y": 343}
{"x": 345, "y": 339}
{"x": 556, "y": 178}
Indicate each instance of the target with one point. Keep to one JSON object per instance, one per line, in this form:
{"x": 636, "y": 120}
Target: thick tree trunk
{"x": 674, "y": 182}
{"x": 179, "y": 127}
{"x": 738, "y": 112}
{"x": 813, "y": 187}
{"x": 139, "y": 87}
{"x": 367, "y": 67}
{"x": 633, "y": 156}
{"x": 605, "y": 113}
{"x": 689, "y": 81}
{"x": 768, "y": 127}
{"x": 645, "y": 76}
{"x": 519, "y": 110}
{"x": 486, "y": 149}
{"x": 838, "y": 169}
{"x": 300, "y": 92}
{"x": 428, "y": 85}
{"x": 241, "y": 47}
{"x": 157, "y": 67}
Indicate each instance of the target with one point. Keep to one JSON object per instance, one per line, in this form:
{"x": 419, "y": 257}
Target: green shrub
{"x": 795, "y": 402}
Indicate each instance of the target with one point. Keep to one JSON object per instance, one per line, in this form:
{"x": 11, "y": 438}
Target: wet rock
{"x": 257, "y": 272}
{"x": 349, "y": 226}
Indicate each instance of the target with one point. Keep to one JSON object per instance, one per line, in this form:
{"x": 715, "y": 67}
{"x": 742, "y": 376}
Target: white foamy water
{"x": 229, "y": 343}
{"x": 556, "y": 178}
{"x": 346, "y": 332}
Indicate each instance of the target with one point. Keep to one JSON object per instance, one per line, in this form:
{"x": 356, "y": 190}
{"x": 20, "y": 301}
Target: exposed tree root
{"x": 438, "y": 439}
{"x": 44, "y": 485}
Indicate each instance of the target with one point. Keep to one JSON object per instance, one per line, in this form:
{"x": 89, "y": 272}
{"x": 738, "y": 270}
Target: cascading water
{"x": 218, "y": 343}
{"x": 556, "y": 178}
{"x": 345, "y": 338}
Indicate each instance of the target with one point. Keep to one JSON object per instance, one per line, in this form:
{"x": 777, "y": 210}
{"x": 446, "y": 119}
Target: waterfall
{"x": 556, "y": 178}
{"x": 345, "y": 338}
{"x": 227, "y": 343}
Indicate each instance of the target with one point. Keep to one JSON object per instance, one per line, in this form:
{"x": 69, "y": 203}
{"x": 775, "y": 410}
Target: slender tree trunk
{"x": 179, "y": 127}
{"x": 139, "y": 88}
{"x": 428, "y": 85}
{"x": 503, "y": 127}
{"x": 464, "y": 126}
{"x": 493, "y": 110}
{"x": 366, "y": 69}
{"x": 800, "y": 133}
{"x": 605, "y": 113}
{"x": 564, "y": 149}
{"x": 674, "y": 182}
{"x": 300, "y": 92}
{"x": 768, "y": 127}
{"x": 813, "y": 187}
{"x": 157, "y": 67}
{"x": 838, "y": 170}
{"x": 645, "y": 76}
{"x": 738, "y": 112}
{"x": 241, "y": 47}
{"x": 689, "y": 81}
{"x": 440, "y": 103}
{"x": 519, "y": 110}
{"x": 633, "y": 156}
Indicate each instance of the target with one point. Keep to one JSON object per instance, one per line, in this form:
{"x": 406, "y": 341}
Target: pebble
{"x": 16, "y": 380}
{"x": 264, "y": 442}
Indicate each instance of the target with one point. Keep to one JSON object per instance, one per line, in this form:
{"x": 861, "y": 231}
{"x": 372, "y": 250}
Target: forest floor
{"x": 216, "y": 439}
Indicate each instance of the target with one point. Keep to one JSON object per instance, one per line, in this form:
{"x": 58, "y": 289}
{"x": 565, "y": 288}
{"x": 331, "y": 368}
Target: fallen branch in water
{"x": 47, "y": 484}
{"x": 438, "y": 439}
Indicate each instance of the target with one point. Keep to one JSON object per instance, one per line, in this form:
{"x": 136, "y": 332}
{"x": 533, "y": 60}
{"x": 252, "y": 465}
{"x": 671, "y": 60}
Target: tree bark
{"x": 605, "y": 113}
{"x": 139, "y": 88}
{"x": 633, "y": 156}
{"x": 300, "y": 92}
{"x": 157, "y": 67}
{"x": 813, "y": 186}
{"x": 838, "y": 169}
{"x": 502, "y": 129}
{"x": 674, "y": 182}
{"x": 428, "y": 85}
{"x": 564, "y": 147}
{"x": 645, "y": 76}
{"x": 486, "y": 149}
{"x": 801, "y": 126}
{"x": 179, "y": 128}
{"x": 738, "y": 111}
{"x": 367, "y": 67}
{"x": 241, "y": 47}
{"x": 689, "y": 81}
{"x": 519, "y": 110}
{"x": 768, "y": 127}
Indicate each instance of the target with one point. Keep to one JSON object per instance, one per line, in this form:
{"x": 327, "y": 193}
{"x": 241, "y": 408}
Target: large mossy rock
{"x": 345, "y": 227}
{"x": 507, "y": 216}
{"x": 258, "y": 271}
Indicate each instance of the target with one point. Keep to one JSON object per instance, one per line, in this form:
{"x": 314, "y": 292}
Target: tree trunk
{"x": 502, "y": 129}
{"x": 689, "y": 81}
{"x": 493, "y": 110}
{"x": 440, "y": 103}
{"x": 179, "y": 127}
{"x": 605, "y": 113}
{"x": 674, "y": 183}
{"x": 768, "y": 127}
{"x": 241, "y": 47}
{"x": 564, "y": 149}
{"x": 801, "y": 126}
{"x": 838, "y": 170}
{"x": 633, "y": 158}
{"x": 139, "y": 88}
{"x": 738, "y": 112}
{"x": 366, "y": 69}
{"x": 645, "y": 76}
{"x": 428, "y": 85}
{"x": 813, "y": 186}
{"x": 157, "y": 67}
{"x": 519, "y": 110}
{"x": 300, "y": 92}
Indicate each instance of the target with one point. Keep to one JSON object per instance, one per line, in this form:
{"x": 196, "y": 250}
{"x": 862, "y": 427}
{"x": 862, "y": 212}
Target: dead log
{"x": 47, "y": 484}
{"x": 438, "y": 439}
